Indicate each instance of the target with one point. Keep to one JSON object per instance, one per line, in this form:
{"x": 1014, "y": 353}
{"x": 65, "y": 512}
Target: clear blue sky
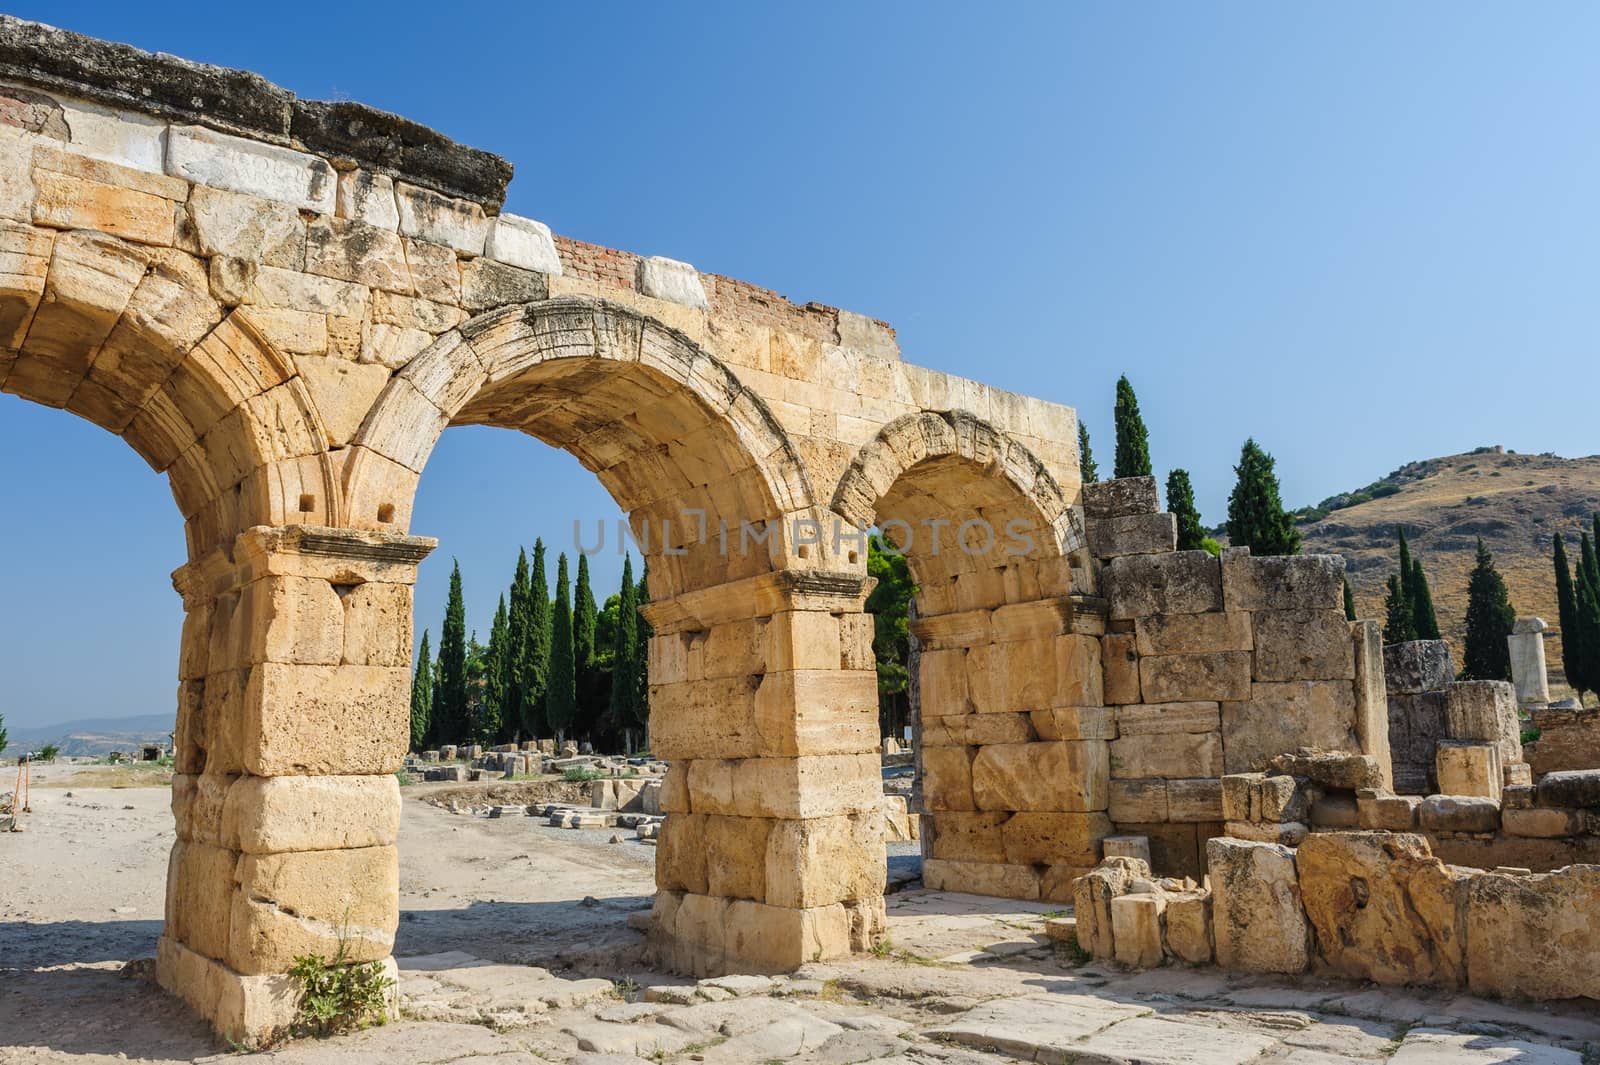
{"x": 1362, "y": 233}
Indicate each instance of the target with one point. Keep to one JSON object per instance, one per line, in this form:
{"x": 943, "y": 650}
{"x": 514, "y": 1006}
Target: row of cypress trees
{"x": 1578, "y": 604}
{"x": 561, "y": 666}
{"x": 1408, "y": 608}
{"x": 1256, "y": 515}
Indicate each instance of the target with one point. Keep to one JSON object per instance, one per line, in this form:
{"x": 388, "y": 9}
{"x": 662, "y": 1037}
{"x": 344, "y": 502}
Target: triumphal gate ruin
{"x": 281, "y": 304}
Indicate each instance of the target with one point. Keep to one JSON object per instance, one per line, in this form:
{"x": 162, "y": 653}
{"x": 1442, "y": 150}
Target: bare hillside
{"x": 1515, "y": 502}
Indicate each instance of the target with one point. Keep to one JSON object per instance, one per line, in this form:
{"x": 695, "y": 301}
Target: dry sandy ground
{"x": 966, "y": 981}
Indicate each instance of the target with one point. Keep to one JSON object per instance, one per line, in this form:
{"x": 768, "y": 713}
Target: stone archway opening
{"x": 1011, "y": 764}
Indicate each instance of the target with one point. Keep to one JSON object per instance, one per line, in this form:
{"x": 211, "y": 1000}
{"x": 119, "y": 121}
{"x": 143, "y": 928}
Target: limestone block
{"x": 778, "y": 939}
{"x": 487, "y": 284}
{"x": 354, "y": 251}
{"x": 1241, "y": 792}
{"x": 1283, "y": 582}
{"x": 1570, "y": 787}
{"x": 979, "y": 730}
{"x": 675, "y": 788}
{"x": 1335, "y": 811}
{"x": 1372, "y": 703}
{"x": 1485, "y": 710}
{"x": 681, "y": 854}
{"x": 815, "y": 711}
{"x": 1417, "y": 666}
{"x": 1287, "y": 834}
{"x": 1303, "y": 645}
{"x": 439, "y": 219}
{"x": 1133, "y": 534}
{"x": 1517, "y": 797}
{"x": 813, "y": 786}
{"x": 1541, "y": 822}
{"x": 1079, "y": 675}
{"x": 325, "y": 719}
{"x": 947, "y": 778}
{"x": 1281, "y": 717}
{"x": 1092, "y": 905}
{"x": 704, "y": 718}
{"x": 268, "y": 815}
{"x": 67, "y": 201}
{"x": 249, "y": 229}
{"x": 292, "y": 620}
{"x": 1331, "y": 769}
{"x": 367, "y": 197}
{"x": 1534, "y": 935}
{"x": 1169, "y": 754}
{"x": 1150, "y": 719}
{"x": 1121, "y": 668}
{"x": 1528, "y": 670}
{"x": 1517, "y": 773}
{"x": 1121, "y": 497}
{"x": 801, "y": 639}
{"x": 1188, "y": 927}
{"x": 1175, "y": 848}
{"x": 1392, "y": 813}
{"x": 1459, "y": 813}
{"x": 1031, "y": 620}
{"x": 1127, "y": 847}
{"x": 699, "y": 932}
{"x": 943, "y": 679}
{"x": 522, "y": 242}
{"x": 1054, "y": 838}
{"x": 199, "y": 897}
{"x": 206, "y": 157}
{"x": 1469, "y": 769}
{"x": 1223, "y": 676}
{"x": 1046, "y": 777}
{"x": 312, "y": 902}
{"x": 1282, "y": 798}
{"x": 1188, "y": 634}
{"x": 739, "y": 648}
{"x": 1256, "y": 907}
{"x": 820, "y": 861}
{"x": 1137, "y": 801}
{"x": 1136, "y": 929}
{"x": 1074, "y": 723}
{"x": 1197, "y": 800}
{"x": 377, "y": 624}
{"x": 1569, "y": 738}
{"x": 1382, "y": 908}
{"x": 735, "y": 855}
{"x": 972, "y": 837}
{"x": 981, "y": 878}
{"x": 667, "y": 279}
{"x": 1182, "y": 582}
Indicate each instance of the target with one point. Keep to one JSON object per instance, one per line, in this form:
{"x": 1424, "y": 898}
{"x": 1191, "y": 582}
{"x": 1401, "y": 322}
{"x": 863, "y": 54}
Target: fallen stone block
{"x": 1256, "y": 911}
{"x": 1459, "y": 813}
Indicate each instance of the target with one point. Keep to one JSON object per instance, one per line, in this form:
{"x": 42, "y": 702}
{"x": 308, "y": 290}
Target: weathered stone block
{"x": 1224, "y": 676}
{"x": 1283, "y": 716}
{"x": 1188, "y": 927}
{"x": 1095, "y": 892}
{"x": 325, "y": 719}
{"x": 1256, "y": 907}
{"x": 1182, "y": 582}
{"x": 1046, "y": 777}
{"x": 1392, "y": 813}
{"x": 1541, "y": 822}
{"x": 1281, "y": 798}
{"x": 818, "y": 861}
{"x": 1133, "y": 534}
{"x": 981, "y": 878}
{"x": 1137, "y": 801}
{"x": 1188, "y": 634}
{"x": 947, "y": 778}
{"x": 1240, "y": 792}
{"x": 313, "y": 902}
{"x": 1286, "y": 582}
{"x": 266, "y": 815}
{"x": 1417, "y": 666}
{"x": 1459, "y": 813}
{"x": 1136, "y": 929}
{"x": 1335, "y": 811}
{"x": 1303, "y": 645}
{"x": 1286, "y": 834}
{"x": 1198, "y": 800}
{"x": 206, "y": 157}
{"x": 966, "y": 837}
{"x": 1175, "y": 848}
{"x": 1075, "y": 723}
{"x": 1469, "y": 769}
{"x": 1533, "y": 936}
{"x": 1171, "y": 754}
{"x": 1149, "y": 719}
{"x": 1570, "y": 787}
{"x": 944, "y": 682}
{"x": 1383, "y": 908}
{"x": 522, "y": 242}
{"x": 668, "y": 279}
{"x": 1372, "y": 701}
{"x": 199, "y": 897}
{"x": 1054, "y": 838}
{"x": 1119, "y": 498}
{"x": 1331, "y": 769}
{"x": 1121, "y": 664}
{"x": 1485, "y": 710}
{"x": 732, "y": 844}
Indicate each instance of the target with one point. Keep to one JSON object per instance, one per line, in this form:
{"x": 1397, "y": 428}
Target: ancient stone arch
{"x": 281, "y": 304}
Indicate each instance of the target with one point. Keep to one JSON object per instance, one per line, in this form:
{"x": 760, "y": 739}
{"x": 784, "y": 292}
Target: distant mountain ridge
{"x": 92, "y": 737}
{"x": 1516, "y": 503}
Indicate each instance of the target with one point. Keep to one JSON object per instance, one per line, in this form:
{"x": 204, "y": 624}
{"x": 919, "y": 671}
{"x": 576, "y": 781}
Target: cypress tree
{"x": 1180, "y": 501}
{"x": 641, "y": 654}
{"x": 1086, "y": 467}
{"x": 495, "y": 670}
{"x": 561, "y": 696}
{"x": 1489, "y": 620}
{"x": 1587, "y": 640}
{"x": 1133, "y": 441}
{"x": 517, "y": 617}
{"x": 624, "y": 683}
{"x": 1422, "y": 615}
{"x": 1567, "y": 610}
{"x": 1256, "y": 518}
{"x": 1349, "y": 601}
{"x": 536, "y": 647}
{"x": 585, "y": 615}
{"x": 421, "y": 697}
{"x": 450, "y": 709}
{"x": 5, "y": 740}
{"x": 1397, "y": 623}
{"x": 1587, "y": 562}
{"x": 1406, "y": 573}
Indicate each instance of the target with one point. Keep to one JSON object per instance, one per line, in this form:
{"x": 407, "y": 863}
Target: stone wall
{"x": 1364, "y": 905}
{"x": 1430, "y": 709}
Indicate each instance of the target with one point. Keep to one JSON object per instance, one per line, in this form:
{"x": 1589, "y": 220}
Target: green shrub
{"x": 1211, "y": 547}
{"x": 338, "y": 997}
{"x": 581, "y": 774}
{"x": 49, "y": 752}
